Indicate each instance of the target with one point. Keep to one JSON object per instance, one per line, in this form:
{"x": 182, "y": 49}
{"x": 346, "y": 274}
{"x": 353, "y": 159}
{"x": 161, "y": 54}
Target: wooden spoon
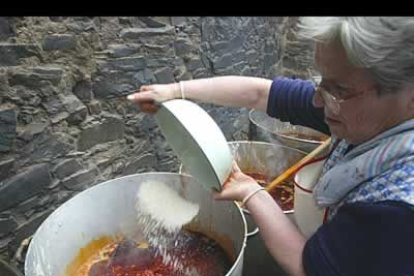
{"x": 289, "y": 172}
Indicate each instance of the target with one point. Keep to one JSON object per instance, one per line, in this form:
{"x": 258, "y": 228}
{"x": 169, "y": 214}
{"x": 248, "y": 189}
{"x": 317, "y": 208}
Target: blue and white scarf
{"x": 379, "y": 169}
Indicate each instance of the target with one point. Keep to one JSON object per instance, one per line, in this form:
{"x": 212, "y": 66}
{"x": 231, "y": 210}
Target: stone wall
{"x": 59, "y": 131}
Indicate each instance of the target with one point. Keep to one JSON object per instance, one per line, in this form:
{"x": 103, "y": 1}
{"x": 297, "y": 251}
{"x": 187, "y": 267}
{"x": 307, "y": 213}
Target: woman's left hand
{"x": 237, "y": 186}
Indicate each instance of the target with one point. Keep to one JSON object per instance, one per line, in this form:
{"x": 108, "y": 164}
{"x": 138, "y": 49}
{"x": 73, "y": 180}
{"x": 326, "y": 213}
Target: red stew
{"x": 194, "y": 250}
{"x": 282, "y": 194}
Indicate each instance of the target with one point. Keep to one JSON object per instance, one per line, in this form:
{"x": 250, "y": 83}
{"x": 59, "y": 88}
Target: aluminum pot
{"x": 267, "y": 129}
{"x": 108, "y": 209}
{"x": 270, "y": 160}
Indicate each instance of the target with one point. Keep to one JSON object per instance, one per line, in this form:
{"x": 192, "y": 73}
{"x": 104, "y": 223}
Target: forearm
{"x": 234, "y": 91}
{"x": 282, "y": 238}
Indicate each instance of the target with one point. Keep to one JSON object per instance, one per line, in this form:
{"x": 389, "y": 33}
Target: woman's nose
{"x": 317, "y": 100}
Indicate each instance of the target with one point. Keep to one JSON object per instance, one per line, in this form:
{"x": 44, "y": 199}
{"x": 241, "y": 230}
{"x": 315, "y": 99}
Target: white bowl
{"x": 197, "y": 140}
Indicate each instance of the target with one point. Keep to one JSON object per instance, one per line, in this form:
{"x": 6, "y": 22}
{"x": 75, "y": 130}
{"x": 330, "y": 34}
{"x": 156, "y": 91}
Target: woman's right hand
{"x": 149, "y": 95}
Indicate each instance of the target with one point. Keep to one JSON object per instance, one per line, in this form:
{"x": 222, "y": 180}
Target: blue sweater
{"x": 363, "y": 239}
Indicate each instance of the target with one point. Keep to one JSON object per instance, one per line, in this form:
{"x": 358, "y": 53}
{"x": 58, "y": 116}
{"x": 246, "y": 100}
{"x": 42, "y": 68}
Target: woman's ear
{"x": 409, "y": 95}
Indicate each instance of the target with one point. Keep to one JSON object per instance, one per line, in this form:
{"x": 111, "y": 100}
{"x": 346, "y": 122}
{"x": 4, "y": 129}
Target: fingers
{"x": 145, "y": 88}
{"x": 142, "y": 96}
{"x": 145, "y": 100}
{"x": 222, "y": 195}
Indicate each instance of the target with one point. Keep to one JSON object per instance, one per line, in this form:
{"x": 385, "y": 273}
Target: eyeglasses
{"x": 332, "y": 102}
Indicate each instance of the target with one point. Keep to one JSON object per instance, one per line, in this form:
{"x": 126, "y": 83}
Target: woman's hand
{"x": 149, "y": 95}
{"x": 237, "y": 186}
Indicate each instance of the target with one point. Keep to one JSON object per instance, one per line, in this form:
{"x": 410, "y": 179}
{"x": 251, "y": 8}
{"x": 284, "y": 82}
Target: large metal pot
{"x": 270, "y": 160}
{"x": 108, "y": 209}
{"x": 267, "y": 129}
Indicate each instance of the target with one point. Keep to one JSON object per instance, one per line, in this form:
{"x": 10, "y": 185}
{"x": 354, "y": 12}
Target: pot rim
{"x": 240, "y": 254}
{"x": 287, "y": 137}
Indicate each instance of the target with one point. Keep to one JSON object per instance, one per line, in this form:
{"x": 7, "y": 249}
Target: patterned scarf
{"x": 379, "y": 169}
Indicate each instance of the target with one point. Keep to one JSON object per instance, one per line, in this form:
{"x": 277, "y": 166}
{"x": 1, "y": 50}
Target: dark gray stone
{"x": 54, "y": 106}
{"x": 198, "y": 74}
{"x": 6, "y": 167}
{"x": 183, "y": 47}
{"x": 178, "y": 20}
{"x": 51, "y": 73}
{"x": 34, "y": 77}
{"x": 28, "y": 228}
{"x": 24, "y": 185}
{"x": 269, "y": 47}
{"x": 31, "y": 130}
{"x": 144, "y": 77}
{"x": 246, "y": 71}
{"x": 117, "y": 166}
{"x": 59, "y": 117}
{"x": 123, "y": 50}
{"x": 159, "y": 49}
{"x": 160, "y": 62}
{"x": 83, "y": 90}
{"x": 76, "y": 109}
{"x": 145, "y": 162}
{"x": 81, "y": 26}
{"x": 220, "y": 48}
{"x": 251, "y": 56}
{"x": 123, "y": 64}
{"x": 28, "y": 205}
{"x": 137, "y": 33}
{"x": 5, "y": 28}
{"x": 72, "y": 104}
{"x": 169, "y": 165}
{"x": 66, "y": 168}
{"x": 151, "y": 22}
{"x": 7, "y": 225}
{"x": 104, "y": 163}
{"x": 78, "y": 116}
{"x": 10, "y": 54}
{"x": 4, "y": 246}
{"x": 47, "y": 90}
{"x": 223, "y": 61}
{"x": 63, "y": 196}
{"x": 57, "y": 18}
{"x": 110, "y": 130}
{"x": 124, "y": 21}
{"x": 269, "y": 61}
{"x": 63, "y": 42}
{"x": 193, "y": 64}
{"x": 45, "y": 147}
{"x": 54, "y": 184}
{"x": 94, "y": 107}
{"x": 164, "y": 75}
{"x": 113, "y": 83}
{"x": 8, "y": 121}
{"x": 80, "y": 180}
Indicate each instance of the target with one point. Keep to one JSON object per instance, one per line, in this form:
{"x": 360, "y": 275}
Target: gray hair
{"x": 382, "y": 45}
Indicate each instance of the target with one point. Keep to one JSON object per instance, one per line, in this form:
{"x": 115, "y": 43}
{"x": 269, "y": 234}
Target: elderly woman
{"x": 365, "y": 100}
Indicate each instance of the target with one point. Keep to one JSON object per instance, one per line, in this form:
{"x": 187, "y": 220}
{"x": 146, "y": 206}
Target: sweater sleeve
{"x": 290, "y": 100}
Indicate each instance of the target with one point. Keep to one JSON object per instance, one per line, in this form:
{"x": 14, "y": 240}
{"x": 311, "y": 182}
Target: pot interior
{"x": 108, "y": 210}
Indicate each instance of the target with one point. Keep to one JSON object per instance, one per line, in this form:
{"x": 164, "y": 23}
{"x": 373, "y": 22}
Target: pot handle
{"x": 255, "y": 231}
